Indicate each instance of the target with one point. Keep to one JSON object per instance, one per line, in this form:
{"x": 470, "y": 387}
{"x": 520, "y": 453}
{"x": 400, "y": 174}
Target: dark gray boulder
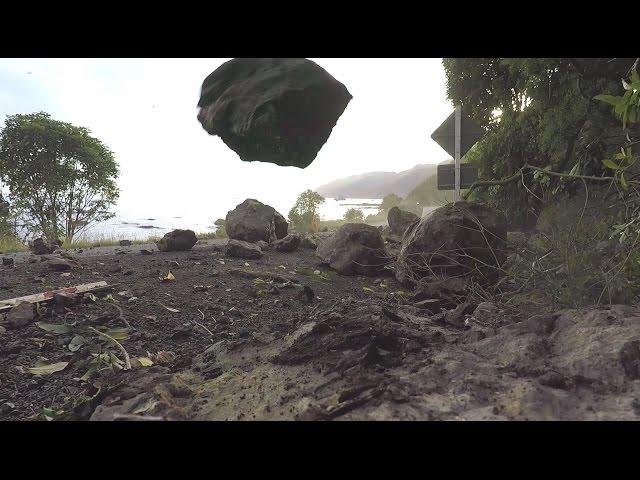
{"x": 355, "y": 249}
{"x": 400, "y": 220}
{"x": 40, "y": 247}
{"x": 252, "y": 221}
{"x": 238, "y": 248}
{"x": 460, "y": 239}
{"x": 276, "y": 110}
{"x": 177, "y": 241}
{"x": 287, "y": 244}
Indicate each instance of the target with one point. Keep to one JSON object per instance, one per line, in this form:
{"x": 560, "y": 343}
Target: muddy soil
{"x": 272, "y": 339}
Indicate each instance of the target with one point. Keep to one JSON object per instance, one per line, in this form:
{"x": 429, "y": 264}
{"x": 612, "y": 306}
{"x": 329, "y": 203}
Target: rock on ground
{"x": 287, "y": 244}
{"x": 238, "y": 248}
{"x": 58, "y": 264}
{"x": 309, "y": 243}
{"x": 400, "y": 220}
{"x": 277, "y": 110}
{"x": 355, "y": 249}
{"x": 20, "y": 315}
{"x": 253, "y": 220}
{"x": 40, "y": 247}
{"x": 458, "y": 239}
{"x": 177, "y": 240}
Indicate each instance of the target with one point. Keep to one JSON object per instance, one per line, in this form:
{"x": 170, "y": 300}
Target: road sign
{"x": 445, "y": 134}
{"x": 446, "y": 176}
{"x": 457, "y": 135}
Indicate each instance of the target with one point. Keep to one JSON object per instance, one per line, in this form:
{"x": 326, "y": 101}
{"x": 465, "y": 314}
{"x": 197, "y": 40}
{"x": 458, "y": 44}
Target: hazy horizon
{"x": 145, "y": 110}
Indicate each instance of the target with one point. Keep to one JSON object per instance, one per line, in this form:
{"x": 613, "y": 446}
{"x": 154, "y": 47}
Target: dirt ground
{"x": 280, "y": 338}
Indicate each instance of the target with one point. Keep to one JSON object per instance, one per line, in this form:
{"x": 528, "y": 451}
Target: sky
{"x": 145, "y": 111}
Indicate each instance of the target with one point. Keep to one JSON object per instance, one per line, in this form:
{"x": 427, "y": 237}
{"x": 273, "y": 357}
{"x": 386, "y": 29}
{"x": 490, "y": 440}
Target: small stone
{"x": 65, "y": 299}
{"x": 144, "y": 251}
{"x": 306, "y": 295}
{"x": 20, "y": 315}
{"x": 125, "y": 243}
{"x": 7, "y": 261}
{"x": 58, "y": 264}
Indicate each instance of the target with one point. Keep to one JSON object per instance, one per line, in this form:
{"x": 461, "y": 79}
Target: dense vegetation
{"x": 57, "y": 177}
{"x": 540, "y": 112}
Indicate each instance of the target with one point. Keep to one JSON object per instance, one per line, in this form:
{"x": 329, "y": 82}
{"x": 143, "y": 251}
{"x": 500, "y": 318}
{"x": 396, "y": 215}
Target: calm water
{"x": 123, "y": 226}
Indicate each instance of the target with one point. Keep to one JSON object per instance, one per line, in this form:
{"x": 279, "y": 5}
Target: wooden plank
{"x": 48, "y": 295}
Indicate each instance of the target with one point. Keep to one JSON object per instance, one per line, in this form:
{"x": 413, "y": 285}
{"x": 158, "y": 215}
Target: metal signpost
{"x": 457, "y": 135}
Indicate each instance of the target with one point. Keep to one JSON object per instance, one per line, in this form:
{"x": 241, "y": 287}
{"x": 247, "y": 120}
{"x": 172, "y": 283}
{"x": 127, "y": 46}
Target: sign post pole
{"x": 458, "y": 122}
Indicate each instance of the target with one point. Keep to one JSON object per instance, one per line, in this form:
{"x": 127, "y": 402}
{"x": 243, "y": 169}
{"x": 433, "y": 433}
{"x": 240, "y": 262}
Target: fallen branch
{"x": 526, "y": 166}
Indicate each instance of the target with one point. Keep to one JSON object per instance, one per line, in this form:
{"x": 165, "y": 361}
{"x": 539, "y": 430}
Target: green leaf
{"x": 623, "y": 182}
{"x": 610, "y": 164}
{"x": 610, "y": 99}
{"x": 76, "y": 342}
{"x": 47, "y": 369}
{"x": 56, "y": 328}
{"x": 118, "y": 333}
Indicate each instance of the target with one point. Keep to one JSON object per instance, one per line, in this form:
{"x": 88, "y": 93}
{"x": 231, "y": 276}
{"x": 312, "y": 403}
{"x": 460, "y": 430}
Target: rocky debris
{"x": 252, "y": 221}
{"x": 125, "y": 243}
{"x": 460, "y": 239}
{"x": 149, "y": 394}
{"x": 238, "y": 248}
{"x": 144, "y": 251}
{"x": 40, "y": 247}
{"x": 355, "y": 249}
{"x": 287, "y": 244}
{"x": 177, "y": 241}
{"x": 7, "y": 261}
{"x": 20, "y": 315}
{"x": 277, "y": 110}
{"x": 308, "y": 242}
{"x": 57, "y": 264}
{"x": 400, "y": 220}
{"x": 264, "y": 246}
{"x": 219, "y": 222}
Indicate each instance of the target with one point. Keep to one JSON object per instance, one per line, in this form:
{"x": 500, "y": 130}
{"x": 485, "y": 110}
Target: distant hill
{"x": 378, "y": 184}
{"x": 426, "y": 193}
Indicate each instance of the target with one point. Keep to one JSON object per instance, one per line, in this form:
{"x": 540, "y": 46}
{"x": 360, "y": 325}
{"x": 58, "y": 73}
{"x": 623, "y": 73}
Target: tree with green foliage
{"x": 60, "y": 179}
{"x": 390, "y": 201}
{"x": 540, "y": 112}
{"x": 304, "y": 214}
{"x": 353, "y": 215}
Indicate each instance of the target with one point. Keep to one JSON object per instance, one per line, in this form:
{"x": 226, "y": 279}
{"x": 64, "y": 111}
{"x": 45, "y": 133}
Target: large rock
{"x": 238, "y": 248}
{"x": 355, "y": 249}
{"x": 177, "y": 241}
{"x": 287, "y": 244}
{"x": 459, "y": 239}
{"x": 252, "y": 221}
{"x": 40, "y": 247}
{"x": 400, "y": 220}
{"x": 277, "y": 110}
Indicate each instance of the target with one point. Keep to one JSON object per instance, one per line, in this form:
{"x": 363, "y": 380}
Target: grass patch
{"x": 11, "y": 245}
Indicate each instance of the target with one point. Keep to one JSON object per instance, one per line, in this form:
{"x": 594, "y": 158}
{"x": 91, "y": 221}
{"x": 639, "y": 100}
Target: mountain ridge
{"x": 378, "y": 184}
